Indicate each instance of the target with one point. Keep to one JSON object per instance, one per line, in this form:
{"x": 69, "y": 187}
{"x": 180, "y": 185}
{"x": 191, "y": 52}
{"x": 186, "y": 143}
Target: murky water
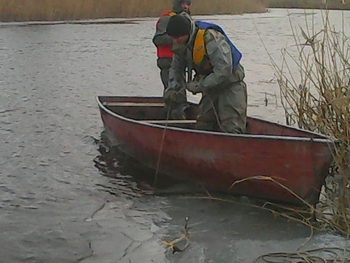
{"x": 63, "y": 198}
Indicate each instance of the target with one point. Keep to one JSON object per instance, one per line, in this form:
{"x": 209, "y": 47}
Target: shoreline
{"x": 66, "y": 10}
{"x": 309, "y": 4}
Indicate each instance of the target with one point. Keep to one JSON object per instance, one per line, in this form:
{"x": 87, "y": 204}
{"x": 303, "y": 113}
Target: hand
{"x": 194, "y": 87}
{"x": 169, "y": 95}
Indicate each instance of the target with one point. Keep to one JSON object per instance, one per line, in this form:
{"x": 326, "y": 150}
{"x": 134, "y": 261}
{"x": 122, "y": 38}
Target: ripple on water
{"x": 49, "y": 77}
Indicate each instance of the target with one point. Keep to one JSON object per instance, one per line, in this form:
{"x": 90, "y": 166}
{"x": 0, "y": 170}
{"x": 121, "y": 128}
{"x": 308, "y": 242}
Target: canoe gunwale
{"x": 248, "y": 136}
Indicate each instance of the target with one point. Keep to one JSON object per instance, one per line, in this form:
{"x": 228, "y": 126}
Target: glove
{"x": 169, "y": 95}
{"x": 193, "y": 87}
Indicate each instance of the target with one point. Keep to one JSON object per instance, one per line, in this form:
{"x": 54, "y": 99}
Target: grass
{"x": 58, "y": 10}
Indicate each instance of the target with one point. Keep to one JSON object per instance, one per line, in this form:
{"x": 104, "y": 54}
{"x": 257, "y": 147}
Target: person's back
{"x": 163, "y": 44}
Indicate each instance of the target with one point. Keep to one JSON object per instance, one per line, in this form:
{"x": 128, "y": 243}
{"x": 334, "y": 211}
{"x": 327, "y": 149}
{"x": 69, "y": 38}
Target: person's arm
{"x": 219, "y": 53}
{"x": 177, "y": 73}
{"x": 161, "y": 38}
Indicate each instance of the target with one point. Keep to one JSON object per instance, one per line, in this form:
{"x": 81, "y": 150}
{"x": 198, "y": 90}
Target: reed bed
{"x": 310, "y": 4}
{"x": 314, "y": 81}
{"x": 58, "y": 10}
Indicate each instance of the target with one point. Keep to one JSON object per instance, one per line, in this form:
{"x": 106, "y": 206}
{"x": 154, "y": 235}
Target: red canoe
{"x": 271, "y": 161}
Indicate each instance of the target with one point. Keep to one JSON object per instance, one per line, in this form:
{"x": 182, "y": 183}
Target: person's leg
{"x": 207, "y": 118}
{"x": 164, "y": 66}
{"x": 164, "y": 76}
{"x": 179, "y": 106}
{"x": 232, "y": 108}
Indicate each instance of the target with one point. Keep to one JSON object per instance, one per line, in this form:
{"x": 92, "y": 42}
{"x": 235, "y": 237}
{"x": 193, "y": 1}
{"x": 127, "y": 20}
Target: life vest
{"x": 164, "y": 51}
{"x": 199, "y": 53}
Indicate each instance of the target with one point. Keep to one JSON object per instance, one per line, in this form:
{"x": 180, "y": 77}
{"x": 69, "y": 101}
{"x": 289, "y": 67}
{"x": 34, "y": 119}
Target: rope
{"x": 162, "y": 143}
{"x": 161, "y": 149}
{"x": 216, "y": 115}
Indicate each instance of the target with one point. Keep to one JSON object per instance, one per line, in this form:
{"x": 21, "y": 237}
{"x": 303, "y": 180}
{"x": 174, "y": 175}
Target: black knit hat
{"x": 178, "y": 26}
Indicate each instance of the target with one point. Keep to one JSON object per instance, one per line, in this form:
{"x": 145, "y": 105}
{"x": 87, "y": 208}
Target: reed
{"x": 57, "y": 10}
{"x": 310, "y": 4}
{"x": 314, "y": 81}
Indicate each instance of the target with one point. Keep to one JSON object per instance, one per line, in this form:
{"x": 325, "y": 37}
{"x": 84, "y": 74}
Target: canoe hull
{"x": 277, "y": 168}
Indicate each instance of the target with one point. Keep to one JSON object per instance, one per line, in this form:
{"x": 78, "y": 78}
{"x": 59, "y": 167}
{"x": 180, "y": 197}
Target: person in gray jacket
{"x": 219, "y": 77}
{"x": 163, "y": 44}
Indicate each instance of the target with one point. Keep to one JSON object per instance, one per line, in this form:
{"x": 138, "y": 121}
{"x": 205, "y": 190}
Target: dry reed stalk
{"x": 312, "y": 4}
{"x": 55, "y": 10}
{"x": 317, "y": 99}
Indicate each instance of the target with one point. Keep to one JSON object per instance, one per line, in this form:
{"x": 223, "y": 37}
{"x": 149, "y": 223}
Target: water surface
{"x": 64, "y": 198}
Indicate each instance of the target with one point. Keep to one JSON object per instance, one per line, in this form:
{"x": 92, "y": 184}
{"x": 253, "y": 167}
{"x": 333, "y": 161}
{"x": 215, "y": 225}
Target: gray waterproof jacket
{"x": 219, "y": 53}
{"x": 161, "y": 38}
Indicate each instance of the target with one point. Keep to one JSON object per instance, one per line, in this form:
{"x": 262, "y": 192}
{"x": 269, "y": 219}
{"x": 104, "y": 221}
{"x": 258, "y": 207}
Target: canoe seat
{"x": 170, "y": 121}
{"x": 133, "y": 104}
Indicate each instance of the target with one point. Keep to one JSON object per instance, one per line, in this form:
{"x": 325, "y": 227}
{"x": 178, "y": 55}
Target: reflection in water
{"x": 119, "y": 168}
{"x": 128, "y": 176}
